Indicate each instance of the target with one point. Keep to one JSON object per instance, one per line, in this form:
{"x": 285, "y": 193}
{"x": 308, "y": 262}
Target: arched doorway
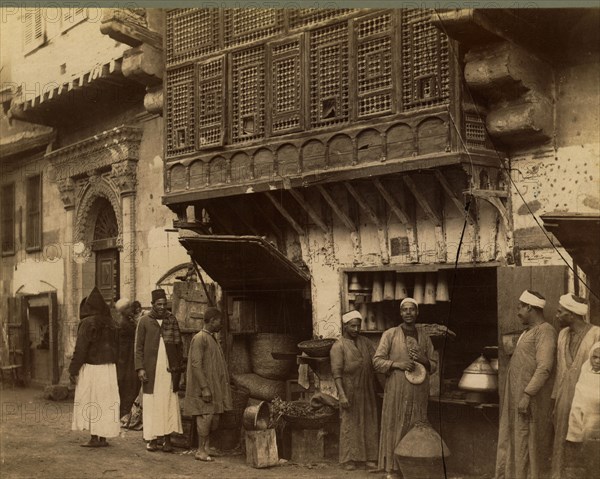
{"x": 104, "y": 245}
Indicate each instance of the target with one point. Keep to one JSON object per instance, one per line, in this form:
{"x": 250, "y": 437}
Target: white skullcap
{"x": 350, "y": 315}
{"x": 410, "y": 300}
{"x": 532, "y": 300}
{"x": 122, "y": 304}
{"x": 567, "y": 302}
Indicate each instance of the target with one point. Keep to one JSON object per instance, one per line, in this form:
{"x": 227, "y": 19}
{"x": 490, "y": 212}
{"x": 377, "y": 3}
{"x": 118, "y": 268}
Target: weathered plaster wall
{"x": 158, "y": 250}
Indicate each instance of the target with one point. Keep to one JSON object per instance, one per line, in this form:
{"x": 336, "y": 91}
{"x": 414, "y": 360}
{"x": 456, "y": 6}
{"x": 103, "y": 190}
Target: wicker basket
{"x": 259, "y": 387}
{"x": 297, "y": 422}
{"x": 316, "y": 348}
{"x": 263, "y": 364}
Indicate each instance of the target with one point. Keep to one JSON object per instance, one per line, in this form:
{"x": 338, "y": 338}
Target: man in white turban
{"x": 352, "y": 370}
{"x": 525, "y": 433}
{"x": 574, "y": 341}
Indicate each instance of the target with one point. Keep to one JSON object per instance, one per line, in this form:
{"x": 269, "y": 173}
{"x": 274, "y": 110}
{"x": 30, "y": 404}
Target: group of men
{"x": 152, "y": 352}
{"x": 535, "y": 440}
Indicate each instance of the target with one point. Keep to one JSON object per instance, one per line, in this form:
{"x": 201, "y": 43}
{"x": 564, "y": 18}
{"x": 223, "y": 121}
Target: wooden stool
{"x": 261, "y": 448}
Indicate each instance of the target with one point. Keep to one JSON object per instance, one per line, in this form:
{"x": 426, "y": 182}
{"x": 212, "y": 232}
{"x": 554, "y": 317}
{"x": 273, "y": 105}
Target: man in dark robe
{"x": 129, "y": 383}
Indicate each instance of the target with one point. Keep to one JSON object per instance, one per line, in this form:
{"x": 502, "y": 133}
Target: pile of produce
{"x": 299, "y": 412}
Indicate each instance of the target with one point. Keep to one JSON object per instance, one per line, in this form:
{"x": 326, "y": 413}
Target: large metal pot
{"x": 479, "y": 377}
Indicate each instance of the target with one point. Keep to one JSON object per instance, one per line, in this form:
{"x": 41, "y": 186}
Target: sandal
{"x": 206, "y": 458}
{"x": 151, "y": 446}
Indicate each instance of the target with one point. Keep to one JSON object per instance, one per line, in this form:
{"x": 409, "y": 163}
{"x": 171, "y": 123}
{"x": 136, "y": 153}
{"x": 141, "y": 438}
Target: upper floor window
{"x": 71, "y": 16}
{"x": 34, "y": 29}
{"x": 7, "y": 213}
{"x": 34, "y": 213}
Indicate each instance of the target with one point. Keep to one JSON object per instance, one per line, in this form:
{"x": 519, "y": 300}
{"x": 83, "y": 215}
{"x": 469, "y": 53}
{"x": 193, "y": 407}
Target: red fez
{"x": 158, "y": 294}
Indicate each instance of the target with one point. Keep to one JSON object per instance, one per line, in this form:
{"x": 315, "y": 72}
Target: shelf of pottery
{"x": 377, "y": 294}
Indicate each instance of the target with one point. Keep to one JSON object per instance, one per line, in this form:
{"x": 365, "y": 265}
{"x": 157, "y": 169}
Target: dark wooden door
{"x": 18, "y": 337}
{"x": 107, "y": 274}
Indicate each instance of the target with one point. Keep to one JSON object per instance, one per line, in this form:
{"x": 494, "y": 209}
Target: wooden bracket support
{"x": 293, "y": 223}
{"x": 233, "y": 212}
{"x": 309, "y": 209}
{"x": 493, "y": 197}
{"x": 431, "y": 214}
{"x": 276, "y": 230}
{"x": 455, "y": 200}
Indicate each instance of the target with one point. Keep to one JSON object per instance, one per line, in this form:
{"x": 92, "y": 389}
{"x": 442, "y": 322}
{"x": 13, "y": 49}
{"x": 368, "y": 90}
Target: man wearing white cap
{"x": 405, "y": 355}
{"x": 574, "y": 341}
{"x": 524, "y": 439}
{"x": 352, "y": 370}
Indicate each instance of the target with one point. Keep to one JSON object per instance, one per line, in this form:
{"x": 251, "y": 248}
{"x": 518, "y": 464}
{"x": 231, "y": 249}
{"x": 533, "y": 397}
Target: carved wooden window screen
{"x": 33, "y": 227}
{"x": 425, "y": 62}
{"x": 248, "y": 94}
{"x": 243, "y": 25}
{"x": 211, "y": 76}
{"x": 374, "y": 65}
{"x": 180, "y": 111}
{"x": 286, "y": 86}
{"x": 302, "y": 17}
{"x": 329, "y": 84}
{"x": 475, "y": 133}
{"x": 192, "y": 32}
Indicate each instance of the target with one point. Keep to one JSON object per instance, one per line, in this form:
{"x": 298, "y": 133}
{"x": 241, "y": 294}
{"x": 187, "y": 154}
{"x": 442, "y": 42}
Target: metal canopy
{"x": 244, "y": 263}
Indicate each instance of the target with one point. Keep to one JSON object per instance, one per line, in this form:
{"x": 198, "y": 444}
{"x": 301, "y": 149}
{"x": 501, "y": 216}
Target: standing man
{"x": 574, "y": 342}
{"x": 352, "y": 369}
{"x": 158, "y": 361}
{"x": 404, "y": 402}
{"x": 129, "y": 383}
{"x": 93, "y": 370}
{"x": 524, "y": 439}
{"x": 207, "y": 393}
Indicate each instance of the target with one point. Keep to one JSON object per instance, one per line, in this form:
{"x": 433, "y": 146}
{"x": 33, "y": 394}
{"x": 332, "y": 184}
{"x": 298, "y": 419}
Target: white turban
{"x": 350, "y": 315}
{"x": 409, "y": 300}
{"x": 122, "y": 304}
{"x": 567, "y": 302}
{"x": 532, "y": 300}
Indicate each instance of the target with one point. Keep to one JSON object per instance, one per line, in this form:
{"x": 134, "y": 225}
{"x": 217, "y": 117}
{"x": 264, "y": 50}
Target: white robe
{"x": 96, "y": 405}
{"x": 161, "y": 414}
{"x": 584, "y": 419}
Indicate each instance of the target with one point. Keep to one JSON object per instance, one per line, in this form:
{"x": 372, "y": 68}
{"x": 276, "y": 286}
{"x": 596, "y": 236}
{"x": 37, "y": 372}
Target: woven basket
{"x": 296, "y": 422}
{"x": 233, "y": 419}
{"x": 316, "y": 348}
{"x": 263, "y": 364}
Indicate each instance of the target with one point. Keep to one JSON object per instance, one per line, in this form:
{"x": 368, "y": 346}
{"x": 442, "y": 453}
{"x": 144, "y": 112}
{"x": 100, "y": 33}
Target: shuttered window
{"x": 34, "y": 29}
{"x": 71, "y": 16}
{"x": 7, "y": 212}
{"x": 34, "y": 213}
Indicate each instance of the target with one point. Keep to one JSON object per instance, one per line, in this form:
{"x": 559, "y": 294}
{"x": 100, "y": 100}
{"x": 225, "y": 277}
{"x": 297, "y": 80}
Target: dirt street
{"x": 36, "y": 440}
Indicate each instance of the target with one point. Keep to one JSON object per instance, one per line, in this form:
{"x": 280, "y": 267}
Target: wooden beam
{"x": 243, "y": 220}
{"x": 215, "y": 219}
{"x": 309, "y": 209}
{"x": 285, "y": 213}
{"x": 404, "y": 219}
{"x": 276, "y": 230}
{"x": 408, "y": 181}
{"x": 336, "y": 209}
{"x": 363, "y": 204}
{"x": 448, "y": 189}
{"x": 391, "y": 201}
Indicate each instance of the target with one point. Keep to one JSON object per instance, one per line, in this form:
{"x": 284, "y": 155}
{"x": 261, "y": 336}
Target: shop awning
{"x": 245, "y": 263}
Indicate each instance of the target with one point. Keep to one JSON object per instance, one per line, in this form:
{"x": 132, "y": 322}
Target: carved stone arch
{"x": 86, "y": 215}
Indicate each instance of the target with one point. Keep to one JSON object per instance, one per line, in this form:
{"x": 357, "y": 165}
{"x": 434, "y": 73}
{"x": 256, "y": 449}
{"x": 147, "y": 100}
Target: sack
{"x": 259, "y": 387}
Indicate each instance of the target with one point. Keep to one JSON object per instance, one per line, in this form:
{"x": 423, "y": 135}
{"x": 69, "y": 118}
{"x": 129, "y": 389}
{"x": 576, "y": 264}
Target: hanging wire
{"x": 507, "y": 170}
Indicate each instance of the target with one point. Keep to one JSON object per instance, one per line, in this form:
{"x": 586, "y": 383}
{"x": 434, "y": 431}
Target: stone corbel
{"x": 66, "y": 188}
{"x": 124, "y": 176}
{"x": 143, "y": 64}
{"x": 129, "y": 26}
{"x": 153, "y": 101}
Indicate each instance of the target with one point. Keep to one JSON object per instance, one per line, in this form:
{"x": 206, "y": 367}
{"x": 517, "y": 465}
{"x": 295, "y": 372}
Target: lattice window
{"x": 180, "y": 117}
{"x": 7, "y": 218}
{"x": 34, "y": 28}
{"x": 33, "y": 226}
{"x": 243, "y": 25}
{"x": 248, "y": 94}
{"x": 211, "y": 94}
{"x": 374, "y": 68}
{"x": 475, "y": 132}
{"x": 301, "y": 17}
{"x": 286, "y": 86}
{"x": 425, "y": 62}
{"x": 191, "y": 32}
{"x": 329, "y": 75}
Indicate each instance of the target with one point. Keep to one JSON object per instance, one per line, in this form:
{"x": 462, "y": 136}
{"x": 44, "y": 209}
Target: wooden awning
{"x": 245, "y": 263}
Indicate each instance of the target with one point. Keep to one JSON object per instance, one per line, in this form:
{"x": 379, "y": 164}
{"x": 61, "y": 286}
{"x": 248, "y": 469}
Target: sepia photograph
{"x": 320, "y": 240}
